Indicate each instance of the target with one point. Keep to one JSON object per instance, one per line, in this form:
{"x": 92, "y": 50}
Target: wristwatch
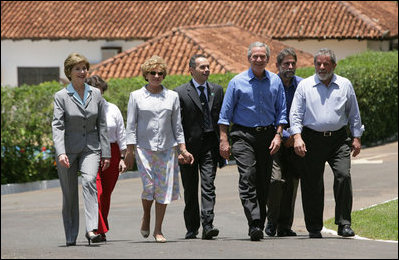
{"x": 280, "y": 134}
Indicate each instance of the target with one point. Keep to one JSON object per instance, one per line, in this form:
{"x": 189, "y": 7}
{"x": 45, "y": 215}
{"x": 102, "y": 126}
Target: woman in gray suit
{"x": 81, "y": 143}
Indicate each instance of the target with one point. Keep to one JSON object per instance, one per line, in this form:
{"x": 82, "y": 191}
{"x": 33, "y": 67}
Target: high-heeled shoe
{"x": 160, "y": 239}
{"x": 145, "y": 233}
{"x": 91, "y": 237}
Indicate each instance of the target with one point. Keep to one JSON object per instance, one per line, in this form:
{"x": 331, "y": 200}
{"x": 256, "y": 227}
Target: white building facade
{"x": 45, "y": 55}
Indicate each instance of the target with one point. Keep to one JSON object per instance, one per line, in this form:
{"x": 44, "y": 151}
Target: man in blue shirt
{"x": 323, "y": 105}
{"x": 254, "y": 103}
{"x": 286, "y": 164}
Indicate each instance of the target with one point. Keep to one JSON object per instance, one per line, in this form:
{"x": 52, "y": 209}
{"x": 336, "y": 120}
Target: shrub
{"x": 27, "y": 152}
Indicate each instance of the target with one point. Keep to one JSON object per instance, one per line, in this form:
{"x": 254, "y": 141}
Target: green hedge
{"x": 27, "y": 153}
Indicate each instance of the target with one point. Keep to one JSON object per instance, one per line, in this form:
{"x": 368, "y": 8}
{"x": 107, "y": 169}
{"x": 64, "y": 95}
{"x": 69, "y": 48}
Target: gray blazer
{"x": 76, "y": 126}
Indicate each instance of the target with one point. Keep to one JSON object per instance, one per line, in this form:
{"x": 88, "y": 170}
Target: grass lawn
{"x": 377, "y": 222}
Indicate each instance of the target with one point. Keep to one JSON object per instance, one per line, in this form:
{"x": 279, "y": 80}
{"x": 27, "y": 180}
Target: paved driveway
{"x": 31, "y": 222}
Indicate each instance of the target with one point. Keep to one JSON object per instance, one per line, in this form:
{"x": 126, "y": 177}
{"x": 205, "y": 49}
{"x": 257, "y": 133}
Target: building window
{"x": 35, "y": 75}
{"x": 108, "y": 52}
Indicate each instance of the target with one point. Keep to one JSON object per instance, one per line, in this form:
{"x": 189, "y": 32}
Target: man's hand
{"x": 224, "y": 149}
{"x": 356, "y": 146}
{"x": 224, "y": 146}
{"x": 299, "y": 145}
{"x": 275, "y": 144}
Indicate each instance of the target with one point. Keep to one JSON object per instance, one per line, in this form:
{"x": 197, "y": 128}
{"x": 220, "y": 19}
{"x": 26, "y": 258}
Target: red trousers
{"x": 106, "y": 181}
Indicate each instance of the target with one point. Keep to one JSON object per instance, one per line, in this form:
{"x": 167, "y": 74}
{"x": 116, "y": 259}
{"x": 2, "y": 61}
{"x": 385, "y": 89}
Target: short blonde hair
{"x": 155, "y": 62}
{"x": 72, "y": 60}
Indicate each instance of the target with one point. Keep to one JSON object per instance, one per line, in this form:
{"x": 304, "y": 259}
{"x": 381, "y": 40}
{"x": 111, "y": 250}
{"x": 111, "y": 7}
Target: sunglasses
{"x": 155, "y": 72}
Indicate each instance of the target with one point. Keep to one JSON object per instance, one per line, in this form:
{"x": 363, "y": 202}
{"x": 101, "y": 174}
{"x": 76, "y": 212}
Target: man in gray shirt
{"x": 323, "y": 106}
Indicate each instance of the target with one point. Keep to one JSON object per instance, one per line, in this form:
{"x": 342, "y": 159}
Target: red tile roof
{"x": 225, "y": 46}
{"x": 128, "y": 20}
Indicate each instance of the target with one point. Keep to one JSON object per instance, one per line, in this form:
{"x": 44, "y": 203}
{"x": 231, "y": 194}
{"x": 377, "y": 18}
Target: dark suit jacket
{"x": 192, "y": 114}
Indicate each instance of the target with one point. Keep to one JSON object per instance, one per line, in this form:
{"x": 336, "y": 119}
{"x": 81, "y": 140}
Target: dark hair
{"x": 192, "y": 63}
{"x": 97, "y": 82}
{"x": 285, "y": 52}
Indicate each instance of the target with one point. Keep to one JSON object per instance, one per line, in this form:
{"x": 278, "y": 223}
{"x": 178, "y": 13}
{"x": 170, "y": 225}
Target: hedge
{"x": 27, "y": 152}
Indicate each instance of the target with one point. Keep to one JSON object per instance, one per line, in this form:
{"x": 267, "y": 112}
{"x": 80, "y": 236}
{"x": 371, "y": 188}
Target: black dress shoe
{"x": 270, "y": 229}
{"x": 315, "y": 235}
{"x": 103, "y": 237}
{"x": 345, "y": 231}
{"x": 70, "y": 243}
{"x": 255, "y": 233}
{"x": 286, "y": 233}
{"x": 191, "y": 234}
{"x": 209, "y": 232}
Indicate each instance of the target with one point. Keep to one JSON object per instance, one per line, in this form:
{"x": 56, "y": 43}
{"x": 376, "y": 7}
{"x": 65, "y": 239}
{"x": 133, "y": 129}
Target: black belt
{"x": 325, "y": 133}
{"x": 257, "y": 129}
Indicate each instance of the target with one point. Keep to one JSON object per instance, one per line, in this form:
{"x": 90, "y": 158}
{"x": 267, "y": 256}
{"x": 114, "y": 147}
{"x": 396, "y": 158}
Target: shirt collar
{"x": 252, "y": 75}
{"x": 148, "y": 93}
{"x": 318, "y": 81}
{"x": 196, "y": 84}
{"x": 70, "y": 88}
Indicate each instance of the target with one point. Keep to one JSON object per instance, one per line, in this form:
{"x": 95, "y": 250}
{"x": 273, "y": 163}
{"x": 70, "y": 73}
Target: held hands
{"x": 105, "y": 162}
{"x": 63, "y": 160}
{"x": 224, "y": 149}
{"x": 185, "y": 157}
{"x": 122, "y": 166}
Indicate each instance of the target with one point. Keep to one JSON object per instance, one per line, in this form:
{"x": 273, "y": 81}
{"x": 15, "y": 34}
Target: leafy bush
{"x": 27, "y": 152}
{"x": 374, "y": 76}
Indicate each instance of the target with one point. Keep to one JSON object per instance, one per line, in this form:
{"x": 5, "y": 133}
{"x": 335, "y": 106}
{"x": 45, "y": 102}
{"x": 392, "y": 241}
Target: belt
{"x": 325, "y": 133}
{"x": 257, "y": 129}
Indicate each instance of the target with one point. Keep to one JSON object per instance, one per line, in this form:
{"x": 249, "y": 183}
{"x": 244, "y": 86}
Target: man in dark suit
{"x": 200, "y": 103}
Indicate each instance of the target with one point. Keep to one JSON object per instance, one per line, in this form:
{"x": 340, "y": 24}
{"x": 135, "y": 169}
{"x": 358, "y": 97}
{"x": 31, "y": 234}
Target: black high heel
{"x": 91, "y": 237}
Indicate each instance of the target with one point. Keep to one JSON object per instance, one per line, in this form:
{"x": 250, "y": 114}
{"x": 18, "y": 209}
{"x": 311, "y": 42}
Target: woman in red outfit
{"x": 106, "y": 180}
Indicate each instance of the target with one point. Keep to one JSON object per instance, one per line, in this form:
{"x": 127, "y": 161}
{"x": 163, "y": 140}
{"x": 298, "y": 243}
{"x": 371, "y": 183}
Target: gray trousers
{"x": 87, "y": 163}
{"x": 283, "y": 188}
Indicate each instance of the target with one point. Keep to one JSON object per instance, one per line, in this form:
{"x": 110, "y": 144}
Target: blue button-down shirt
{"x": 289, "y": 96}
{"x": 252, "y": 102}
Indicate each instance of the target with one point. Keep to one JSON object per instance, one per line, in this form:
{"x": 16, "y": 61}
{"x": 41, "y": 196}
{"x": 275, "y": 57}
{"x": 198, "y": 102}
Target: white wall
{"x": 341, "y": 49}
{"x": 45, "y": 53}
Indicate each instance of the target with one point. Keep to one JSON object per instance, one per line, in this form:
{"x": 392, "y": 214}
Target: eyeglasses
{"x": 156, "y": 72}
